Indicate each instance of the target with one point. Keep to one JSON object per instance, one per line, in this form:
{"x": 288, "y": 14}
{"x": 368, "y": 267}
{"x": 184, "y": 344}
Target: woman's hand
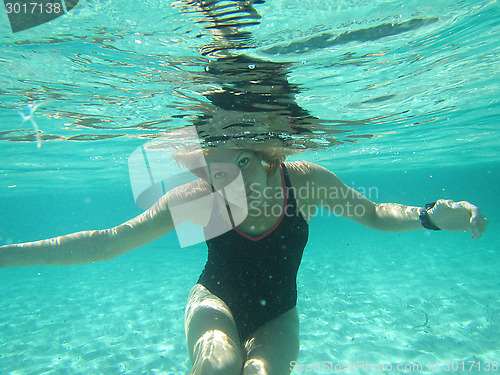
{"x": 458, "y": 216}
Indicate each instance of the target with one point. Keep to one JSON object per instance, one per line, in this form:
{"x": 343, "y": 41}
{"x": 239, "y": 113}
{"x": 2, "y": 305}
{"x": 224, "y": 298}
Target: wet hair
{"x": 192, "y": 159}
{"x": 271, "y": 157}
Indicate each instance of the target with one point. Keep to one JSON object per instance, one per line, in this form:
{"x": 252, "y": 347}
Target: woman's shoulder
{"x": 303, "y": 169}
{"x": 304, "y": 172}
{"x": 189, "y": 192}
{"x": 191, "y": 202}
{"x": 299, "y": 172}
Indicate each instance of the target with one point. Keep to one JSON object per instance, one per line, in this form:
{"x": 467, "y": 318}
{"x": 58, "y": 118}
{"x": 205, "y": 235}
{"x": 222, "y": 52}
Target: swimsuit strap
{"x": 288, "y": 184}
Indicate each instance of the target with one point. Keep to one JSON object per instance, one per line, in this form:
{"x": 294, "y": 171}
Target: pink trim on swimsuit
{"x": 258, "y": 238}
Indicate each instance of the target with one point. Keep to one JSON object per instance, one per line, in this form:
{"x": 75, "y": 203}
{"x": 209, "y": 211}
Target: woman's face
{"x": 237, "y": 172}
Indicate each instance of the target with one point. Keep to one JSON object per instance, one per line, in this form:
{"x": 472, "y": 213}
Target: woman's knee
{"x": 216, "y": 354}
{"x": 255, "y": 367}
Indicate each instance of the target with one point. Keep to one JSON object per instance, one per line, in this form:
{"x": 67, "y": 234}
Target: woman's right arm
{"x": 92, "y": 246}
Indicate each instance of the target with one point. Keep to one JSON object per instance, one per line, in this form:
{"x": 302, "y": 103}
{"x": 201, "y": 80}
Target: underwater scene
{"x": 398, "y": 98}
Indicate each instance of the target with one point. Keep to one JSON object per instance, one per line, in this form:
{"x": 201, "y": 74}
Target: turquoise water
{"x": 110, "y": 81}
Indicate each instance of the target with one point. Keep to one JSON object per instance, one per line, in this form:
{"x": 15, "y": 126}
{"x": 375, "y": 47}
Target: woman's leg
{"x": 212, "y": 337}
{"x": 273, "y": 346}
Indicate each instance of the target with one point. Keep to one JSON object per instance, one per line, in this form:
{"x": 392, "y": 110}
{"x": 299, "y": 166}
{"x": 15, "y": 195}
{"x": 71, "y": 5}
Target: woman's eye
{"x": 243, "y": 162}
{"x": 219, "y": 175}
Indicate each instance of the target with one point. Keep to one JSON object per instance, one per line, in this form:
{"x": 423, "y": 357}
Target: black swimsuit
{"x": 257, "y": 276}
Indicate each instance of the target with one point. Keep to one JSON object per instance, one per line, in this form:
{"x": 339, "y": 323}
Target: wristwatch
{"x": 424, "y": 217}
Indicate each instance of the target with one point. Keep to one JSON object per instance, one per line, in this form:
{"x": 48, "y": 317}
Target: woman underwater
{"x": 241, "y": 316}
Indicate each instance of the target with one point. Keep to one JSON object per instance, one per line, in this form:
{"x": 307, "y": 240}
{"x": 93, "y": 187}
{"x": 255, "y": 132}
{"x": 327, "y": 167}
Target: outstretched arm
{"x": 444, "y": 214}
{"x": 92, "y": 246}
{"x": 392, "y": 217}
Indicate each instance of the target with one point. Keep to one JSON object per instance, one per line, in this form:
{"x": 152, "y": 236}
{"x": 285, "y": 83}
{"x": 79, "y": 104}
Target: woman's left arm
{"x": 392, "y": 217}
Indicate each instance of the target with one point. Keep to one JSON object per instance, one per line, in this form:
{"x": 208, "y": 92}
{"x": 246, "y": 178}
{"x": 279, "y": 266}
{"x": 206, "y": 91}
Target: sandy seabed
{"x": 368, "y": 299}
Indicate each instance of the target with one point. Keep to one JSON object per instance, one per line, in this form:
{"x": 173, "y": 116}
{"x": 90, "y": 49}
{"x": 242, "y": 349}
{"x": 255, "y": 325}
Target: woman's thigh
{"x": 212, "y": 337}
{"x": 273, "y": 346}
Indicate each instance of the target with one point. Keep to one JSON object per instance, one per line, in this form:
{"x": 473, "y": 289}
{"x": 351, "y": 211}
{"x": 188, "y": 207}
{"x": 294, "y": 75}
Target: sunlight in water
{"x": 31, "y": 118}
